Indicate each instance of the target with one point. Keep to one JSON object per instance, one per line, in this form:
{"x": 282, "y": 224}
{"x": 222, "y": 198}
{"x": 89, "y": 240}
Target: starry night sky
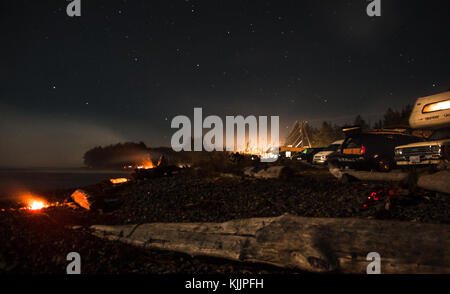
{"x": 124, "y": 69}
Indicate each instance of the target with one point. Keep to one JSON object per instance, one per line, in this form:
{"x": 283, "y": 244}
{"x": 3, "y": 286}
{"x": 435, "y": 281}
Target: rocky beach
{"x": 38, "y": 241}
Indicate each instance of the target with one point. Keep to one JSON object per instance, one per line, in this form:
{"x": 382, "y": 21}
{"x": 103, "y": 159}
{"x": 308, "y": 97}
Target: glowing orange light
{"x": 36, "y": 205}
{"x": 119, "y": 180}
{"x": 147, "y": 163}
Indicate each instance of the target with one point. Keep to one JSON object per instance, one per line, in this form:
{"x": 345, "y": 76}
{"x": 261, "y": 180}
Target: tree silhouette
{"x": 116, "y": 156}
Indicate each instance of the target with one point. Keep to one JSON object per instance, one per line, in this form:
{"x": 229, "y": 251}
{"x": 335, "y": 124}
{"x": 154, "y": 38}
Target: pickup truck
{"x": 432, "y": 112}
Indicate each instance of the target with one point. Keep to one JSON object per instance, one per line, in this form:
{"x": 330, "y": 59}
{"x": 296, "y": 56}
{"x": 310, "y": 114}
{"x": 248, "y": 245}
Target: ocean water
{"x": 15, "y": 181}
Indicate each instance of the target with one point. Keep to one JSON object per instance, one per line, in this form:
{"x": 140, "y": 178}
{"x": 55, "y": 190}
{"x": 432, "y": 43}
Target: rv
{"x": 429, "y": 113}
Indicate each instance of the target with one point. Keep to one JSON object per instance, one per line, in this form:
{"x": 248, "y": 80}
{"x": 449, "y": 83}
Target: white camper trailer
{"x": 431, "y": 112}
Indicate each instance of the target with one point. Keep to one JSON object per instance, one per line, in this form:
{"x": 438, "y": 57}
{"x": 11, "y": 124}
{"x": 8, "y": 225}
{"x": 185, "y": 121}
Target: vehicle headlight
{"x": 398, "y": 151}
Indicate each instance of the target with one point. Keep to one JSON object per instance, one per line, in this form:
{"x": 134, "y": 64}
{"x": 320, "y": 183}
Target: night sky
{"x": 123, "y": 69}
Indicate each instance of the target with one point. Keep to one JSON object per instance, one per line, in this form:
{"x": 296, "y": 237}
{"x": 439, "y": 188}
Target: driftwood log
{"x": 310, "y": 244}
{"x": 269, "y": 172}
{"x": 438, "y": 181}
{"x": 393, "y": 176}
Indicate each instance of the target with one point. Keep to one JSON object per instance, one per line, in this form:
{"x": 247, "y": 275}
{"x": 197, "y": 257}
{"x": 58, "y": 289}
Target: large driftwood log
{"x": 393, "y": 176}
{"x": 438, "y": 181}
{"x": 312, "y": 244}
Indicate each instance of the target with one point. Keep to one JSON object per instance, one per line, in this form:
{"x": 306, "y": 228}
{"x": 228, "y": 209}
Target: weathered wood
{"x": 83, "y": 199}
{"x": 393, "y": 176}
{"x": 438, "y": 181}
{"x": 312, "y": 244}
{"x": 270, "y": 172}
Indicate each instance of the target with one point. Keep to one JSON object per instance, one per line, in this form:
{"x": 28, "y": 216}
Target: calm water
{"x": 13, "y": 181}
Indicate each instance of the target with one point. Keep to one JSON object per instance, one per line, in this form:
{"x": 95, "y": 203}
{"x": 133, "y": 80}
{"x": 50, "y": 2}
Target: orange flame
{"x": 34, "y": 203}
{"x": 147, "y": 163}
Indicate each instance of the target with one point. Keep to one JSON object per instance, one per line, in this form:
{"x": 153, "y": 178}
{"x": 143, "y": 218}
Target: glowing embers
{"x": 119, "y": 180}
{"x": 373, "y": 198}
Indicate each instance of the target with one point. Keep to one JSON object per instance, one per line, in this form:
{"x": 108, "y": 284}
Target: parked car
{"x": 322, "y": 156}
{"x": 372, "y": 150}
{"x": 431, "y": 112}
{"x": 308, "y": 154}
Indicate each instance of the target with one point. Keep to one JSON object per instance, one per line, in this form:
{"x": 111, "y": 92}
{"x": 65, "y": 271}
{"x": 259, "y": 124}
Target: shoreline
{"x": 194, "y": 196}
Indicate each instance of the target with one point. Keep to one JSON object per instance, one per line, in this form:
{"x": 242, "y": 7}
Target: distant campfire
{"x": 146, "y": 163}
{"x": 32, "y": 203}
{"x": 36, "y": 204}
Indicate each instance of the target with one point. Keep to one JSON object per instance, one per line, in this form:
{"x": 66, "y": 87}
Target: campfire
{"x": 34, "y": 203}
{"x": 37, "y": 205}
{"x": 147, "y": 163}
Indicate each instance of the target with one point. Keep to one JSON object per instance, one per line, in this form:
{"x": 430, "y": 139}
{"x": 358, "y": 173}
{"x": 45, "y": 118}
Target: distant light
{"x": 119, "y": 180}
